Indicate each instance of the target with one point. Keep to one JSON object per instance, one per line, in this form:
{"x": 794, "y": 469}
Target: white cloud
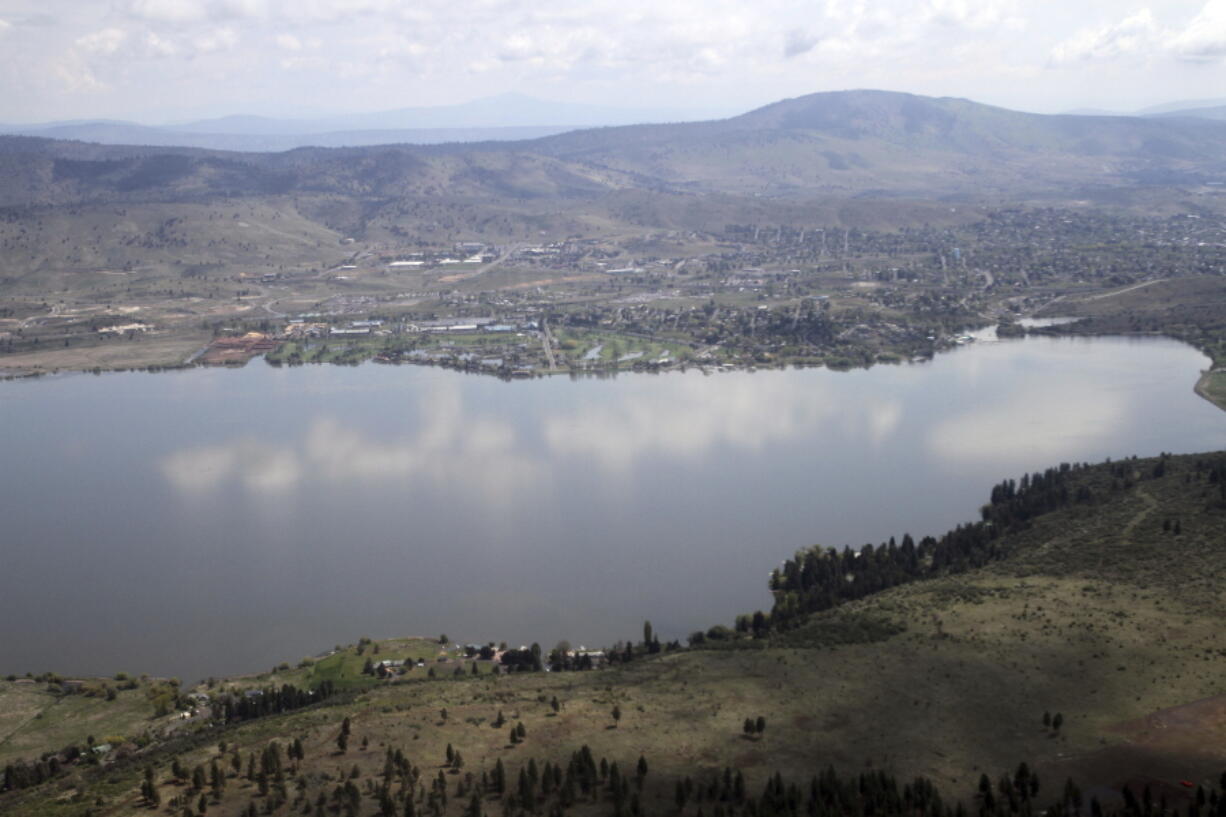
{"x": 169, "y": 11}
{"x": 215, "y": 39}
{"x": 289, "y": 42}
{"x": 974, "y": 14}
{"x": 1136, "y": 34}
{"x": 1204, "y": 38}
{"x": 5, "y": 25}
{"x": 156, "y": 46}
{"x": 104, "y": 42}
{"x": 196, "y": 11}
{"x": 1201, "y": 39}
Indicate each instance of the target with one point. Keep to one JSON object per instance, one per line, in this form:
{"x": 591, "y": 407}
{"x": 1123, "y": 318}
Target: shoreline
{"x": 1201, "y": 387}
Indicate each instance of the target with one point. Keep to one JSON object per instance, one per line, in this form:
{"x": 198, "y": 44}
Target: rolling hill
{"x": 841, "y": 144}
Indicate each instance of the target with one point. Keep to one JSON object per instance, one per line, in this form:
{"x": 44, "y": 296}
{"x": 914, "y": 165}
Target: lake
{"x": 211, "y": 521}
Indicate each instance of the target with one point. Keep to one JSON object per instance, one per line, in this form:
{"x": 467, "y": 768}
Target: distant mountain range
{"x": 1193, "y": 108}
{"x": 843, "y": 144}
{"x": 506, "y": 117}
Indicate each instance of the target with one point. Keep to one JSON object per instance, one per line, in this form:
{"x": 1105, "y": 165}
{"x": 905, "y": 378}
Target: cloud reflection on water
{"x": 449, "y": 443}
{"x": 997, "y": 406}
{"x": 457, "y": 443}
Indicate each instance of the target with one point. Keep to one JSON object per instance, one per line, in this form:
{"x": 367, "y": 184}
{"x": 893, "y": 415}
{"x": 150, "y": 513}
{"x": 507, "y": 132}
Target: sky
{"x": 160, "y": 61}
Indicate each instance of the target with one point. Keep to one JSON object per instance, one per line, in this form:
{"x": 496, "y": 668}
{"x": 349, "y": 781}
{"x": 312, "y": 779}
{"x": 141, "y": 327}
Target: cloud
{"x": 156, "y": 46}
{"x": 1136, "y": 34}
{"x": 5, "y": 25}
{"x": 797, "y": 41}
{"x": 973, "y": 14}
{"x": 1204, "y": 37}
{"x": 105, "y": 42}
{"x": 196, "y": 11}
{"x": 169, "y": 11}
{"x": 215, "y": 39}
{"x": 1141, "y": 35}
{"x": 289, "y": 42}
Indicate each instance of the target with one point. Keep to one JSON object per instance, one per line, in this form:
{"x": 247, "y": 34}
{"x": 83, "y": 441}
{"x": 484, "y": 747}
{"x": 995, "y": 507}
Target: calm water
{"x": 215, "y": 521}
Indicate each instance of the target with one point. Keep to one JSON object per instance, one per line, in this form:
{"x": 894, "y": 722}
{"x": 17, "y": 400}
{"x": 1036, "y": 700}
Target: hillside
{"x": 1088, "y": 646}
{"x": 844, "y": 144}
{"x": 888, "y": 143}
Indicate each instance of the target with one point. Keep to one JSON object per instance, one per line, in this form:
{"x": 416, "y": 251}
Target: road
{"x": 547, "y": 340}
{"x": 1100, "y": 296}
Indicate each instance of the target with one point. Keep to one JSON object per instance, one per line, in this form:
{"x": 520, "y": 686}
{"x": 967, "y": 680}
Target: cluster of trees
{"x": 821, "y": 578}
{"x": 1217, "y": 475}
{"x": 23, "y": 774}
{"x": 754, "y": 727}
{"x": 270, "y": 701}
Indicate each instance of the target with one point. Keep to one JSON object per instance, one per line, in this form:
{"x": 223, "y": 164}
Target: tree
{"x": 1057, "y": 721}
{"x": 149, "y": 789}
{"x": 760, "y": 725}
{"x": 617, "y": 714}
{"x": 342, "y": 741}
{"x": 647, "y": 633}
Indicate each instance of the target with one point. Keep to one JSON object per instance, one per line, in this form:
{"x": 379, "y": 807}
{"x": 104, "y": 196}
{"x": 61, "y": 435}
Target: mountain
{"x": 128, "y": 133}
{"x": 851, "y": 143}
{"x": 856, "y": 142}
{"x": 501, "y": 111}
{"x": 1181, "y": 105}
{"x": 1217, "y": 112}
{"x": 507, "y": 117}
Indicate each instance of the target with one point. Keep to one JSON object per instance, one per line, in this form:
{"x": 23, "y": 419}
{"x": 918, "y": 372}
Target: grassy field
{"x": 34, "y": 720}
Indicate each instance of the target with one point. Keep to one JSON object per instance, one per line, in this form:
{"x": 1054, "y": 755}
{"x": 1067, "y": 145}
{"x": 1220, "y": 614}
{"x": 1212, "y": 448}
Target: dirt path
{"x": 1151, "y": 505}
{"x": 1102, "y": 295}
{"x": 17, "y": 729}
